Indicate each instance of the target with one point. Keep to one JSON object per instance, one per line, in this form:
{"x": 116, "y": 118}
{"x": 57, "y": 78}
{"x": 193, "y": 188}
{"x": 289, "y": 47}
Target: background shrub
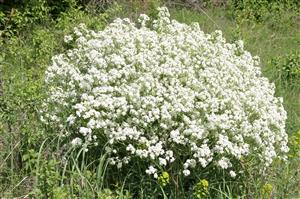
{"x": 287, "y": 69}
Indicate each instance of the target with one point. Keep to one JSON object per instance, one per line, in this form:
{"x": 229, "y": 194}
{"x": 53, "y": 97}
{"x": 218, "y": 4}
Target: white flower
{"x": 152, "y": 171}
{"x": 68, "y": 38}
{"x": 162, "y": 161}
{"x": 143, "y": 19}
{"x": 76, "y": 142}
{"x": 224, "y": 163}
{"x": 232, "y": 174}
{"x": 85, "y": 131}
{"x": 71, "y": 119}
{"x": 186, "y": 172}
{"x": 130, "y": 148}
{"x": 119, "y": 165}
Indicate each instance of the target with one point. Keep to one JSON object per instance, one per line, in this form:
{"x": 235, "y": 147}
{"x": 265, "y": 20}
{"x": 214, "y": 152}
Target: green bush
{"x": 287, "y": 69}
{"x": 17, "y": 16}
{"x": 274, "y": 11}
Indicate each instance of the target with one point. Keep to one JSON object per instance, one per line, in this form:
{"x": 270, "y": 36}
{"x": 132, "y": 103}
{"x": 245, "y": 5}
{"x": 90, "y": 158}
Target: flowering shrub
{"x": 164, "y": 92}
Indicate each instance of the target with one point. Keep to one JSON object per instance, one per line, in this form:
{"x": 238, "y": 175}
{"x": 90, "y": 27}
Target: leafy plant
{"x": 201, "y": 189}
{"x": 295, "y": 145}
{"x": 264, "y": 10}
{"x": 287, "y": 69}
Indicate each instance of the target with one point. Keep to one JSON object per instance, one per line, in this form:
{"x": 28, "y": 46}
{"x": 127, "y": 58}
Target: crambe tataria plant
{"x": 161, "y": 90}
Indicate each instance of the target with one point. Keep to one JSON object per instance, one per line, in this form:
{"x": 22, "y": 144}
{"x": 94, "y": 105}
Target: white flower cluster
{"x": 161, "y": 91}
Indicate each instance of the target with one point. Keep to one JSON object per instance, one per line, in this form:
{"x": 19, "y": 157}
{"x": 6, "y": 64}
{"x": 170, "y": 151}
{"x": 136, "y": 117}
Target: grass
{"x": 30, "y": 159}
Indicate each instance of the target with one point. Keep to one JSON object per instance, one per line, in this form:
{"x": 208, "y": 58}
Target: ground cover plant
{"x": 40, "y": 158}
